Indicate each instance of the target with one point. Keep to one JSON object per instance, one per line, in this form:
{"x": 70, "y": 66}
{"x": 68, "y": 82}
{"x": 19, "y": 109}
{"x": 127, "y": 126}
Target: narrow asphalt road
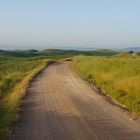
{"x": 61, "y": 106}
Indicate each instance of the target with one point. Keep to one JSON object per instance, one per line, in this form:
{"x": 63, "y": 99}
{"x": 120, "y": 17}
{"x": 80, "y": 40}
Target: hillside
{"x": 55, "y": 52}
{"x": 118, "y": 77}
{"x": 136, "y": 49}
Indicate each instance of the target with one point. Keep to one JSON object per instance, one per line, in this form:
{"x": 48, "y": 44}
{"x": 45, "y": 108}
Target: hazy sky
{"x": 74, "y": 23}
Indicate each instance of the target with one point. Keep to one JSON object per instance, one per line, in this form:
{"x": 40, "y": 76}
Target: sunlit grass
{"x": 119, "y": 77}
{"x": 15, "y": 76}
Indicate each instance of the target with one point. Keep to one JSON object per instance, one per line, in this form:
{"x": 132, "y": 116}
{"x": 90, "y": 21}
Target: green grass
{"x": 15, "y": 75}
{"x": 119, "y": 77}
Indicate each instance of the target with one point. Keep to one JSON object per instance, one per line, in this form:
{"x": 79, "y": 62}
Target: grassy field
{"x": 118, "y": 76}
{"x": 15, "y": 75}
{"x": 17, "y": 68}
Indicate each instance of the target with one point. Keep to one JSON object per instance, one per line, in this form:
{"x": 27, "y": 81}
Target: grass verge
{"x": 11, "y": 100}
{"x": 118, "y": 77}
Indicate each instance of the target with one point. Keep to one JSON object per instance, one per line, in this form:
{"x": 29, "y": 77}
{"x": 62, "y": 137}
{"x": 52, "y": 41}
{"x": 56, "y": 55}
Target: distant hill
{"x": 2, "y": 51}
{"x": 55, "y": 52}
{"x": 18, "y": 53}
{"x": 136, "y": 49}
{"x": 128, "y": 54}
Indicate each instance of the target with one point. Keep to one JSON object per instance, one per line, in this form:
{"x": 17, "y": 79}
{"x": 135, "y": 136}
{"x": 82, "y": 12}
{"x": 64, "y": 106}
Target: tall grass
{"x": 15, "y": 75}
{"x": 119, "y": 77}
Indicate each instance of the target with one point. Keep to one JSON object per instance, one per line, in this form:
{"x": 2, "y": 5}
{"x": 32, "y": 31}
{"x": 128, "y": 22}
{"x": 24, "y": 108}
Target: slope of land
{"x": 117, "y": 76}
{"x": 137, "y": 49}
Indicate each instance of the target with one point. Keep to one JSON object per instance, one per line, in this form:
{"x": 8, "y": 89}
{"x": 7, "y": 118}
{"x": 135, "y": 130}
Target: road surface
{"x": 61, "y": 106}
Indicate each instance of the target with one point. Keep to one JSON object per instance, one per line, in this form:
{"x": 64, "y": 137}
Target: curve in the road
{"x": 61, "y": 106}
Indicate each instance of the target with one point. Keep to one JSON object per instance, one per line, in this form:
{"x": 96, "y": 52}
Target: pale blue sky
{"x": 74, "y": 23}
